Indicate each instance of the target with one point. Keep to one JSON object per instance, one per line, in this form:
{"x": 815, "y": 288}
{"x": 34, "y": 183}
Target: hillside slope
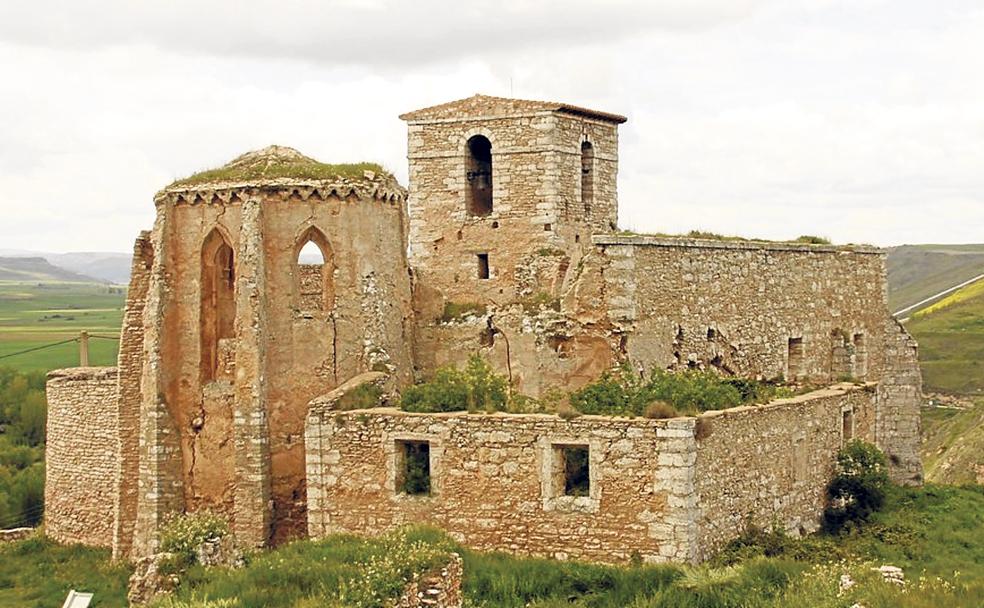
{"x": 39, "y": 269}
{"x": 916, "y": 272}
{"x": 951, "y": 342}
{"x": 953, "y": 444}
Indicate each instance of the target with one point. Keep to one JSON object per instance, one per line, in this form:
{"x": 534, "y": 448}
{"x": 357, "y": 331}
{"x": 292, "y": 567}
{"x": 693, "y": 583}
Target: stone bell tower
{"x": 494, "y": 181}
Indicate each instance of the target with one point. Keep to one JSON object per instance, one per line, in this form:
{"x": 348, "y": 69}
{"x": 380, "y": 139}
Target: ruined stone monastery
{"x": 235, "y": 351}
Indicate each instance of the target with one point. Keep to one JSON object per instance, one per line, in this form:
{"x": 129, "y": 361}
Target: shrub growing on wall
{"x": 858, "y": 487}
{"x": 475, "y": 388}
{"x": 626, "y": 392}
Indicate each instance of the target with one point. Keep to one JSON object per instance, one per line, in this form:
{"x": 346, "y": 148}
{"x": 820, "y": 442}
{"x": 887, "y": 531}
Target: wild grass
{"x": 306, "y": 169}
{"x": 714, "y": 236}
{"x": 935, "y": 534}
{"x": 953, "y": 443}
{"x": 39, "y": 573}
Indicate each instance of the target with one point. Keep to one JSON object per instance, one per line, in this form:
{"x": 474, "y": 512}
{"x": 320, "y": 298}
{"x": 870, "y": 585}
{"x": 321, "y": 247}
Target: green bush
{"x": 23, "y": 412}
{"x": 625, "y": 392}
{"x": 183, "y": 534}
{"x": 475, "y": 388}
{"x": 858, "y": 487}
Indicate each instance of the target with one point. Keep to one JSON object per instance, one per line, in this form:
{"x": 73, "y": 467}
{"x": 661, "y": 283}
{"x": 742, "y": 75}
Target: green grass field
{"x": 951, "y": 342}
{"x": 36, "y": 314}
{"x": 935, "y": 534}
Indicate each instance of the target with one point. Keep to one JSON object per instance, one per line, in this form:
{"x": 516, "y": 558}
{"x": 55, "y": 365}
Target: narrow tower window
{"x": 478, "y": 175}
{"x": 218, "y": 305}
{"x": 794, "y": 367}
{"x": 315, "y": 273}
{"x": 483, "y": 265}
{"x": 587, "y": 176}
{"x": 860, "y": 357}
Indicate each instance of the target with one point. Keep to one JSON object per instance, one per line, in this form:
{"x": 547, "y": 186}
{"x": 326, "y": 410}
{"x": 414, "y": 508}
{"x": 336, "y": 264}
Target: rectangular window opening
{"x": 414, "y": 468}
{"x": 576, "y": 468}
{"x": 795, "y": 352}
{"x": 847, "y": 422}
{"x": 483, "y": 265}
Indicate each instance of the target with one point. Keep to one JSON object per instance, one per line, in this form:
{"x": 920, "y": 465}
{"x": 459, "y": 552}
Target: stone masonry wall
{"x": 673, "y": 489}
{"x": 494, "y": 481}
{"x": 735, "y": 305}
{"x": 438, "y": 589}
{"x": 129, "y": 364}
{"x": 771, "y": 464}
{"x": 81, "y": 456}
{"x": 897, "y": 423}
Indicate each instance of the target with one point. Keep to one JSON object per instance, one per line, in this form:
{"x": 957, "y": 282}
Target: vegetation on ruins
{"x": 475, "y": 388}
{"x": 934, "y": 533}
{"x": 22, "y": 426}
{"x": 858, "y": 487}
{"x": 455, "y": 311}
{"x": 340, "y": 571}
{"x": 183, "y": 534}
{"x": 279, "y": 162}
{"x": 621, "y": 392}
{"x": 806, "y": 239}
{"x": 662, "y": 394}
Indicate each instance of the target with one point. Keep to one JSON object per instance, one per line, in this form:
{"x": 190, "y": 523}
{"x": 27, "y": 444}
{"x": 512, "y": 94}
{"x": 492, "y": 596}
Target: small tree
{"x": 858, "y": 487}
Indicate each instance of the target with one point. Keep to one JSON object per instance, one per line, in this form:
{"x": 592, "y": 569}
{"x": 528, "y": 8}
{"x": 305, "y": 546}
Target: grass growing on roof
{"x": 276, "y": 162}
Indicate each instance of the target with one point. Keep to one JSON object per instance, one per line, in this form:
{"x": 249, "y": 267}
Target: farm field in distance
{"x": 34, "y": 314}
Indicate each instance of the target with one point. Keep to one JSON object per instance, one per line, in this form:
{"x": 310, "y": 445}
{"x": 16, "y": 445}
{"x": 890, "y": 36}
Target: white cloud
{"x": 862, "y": 120}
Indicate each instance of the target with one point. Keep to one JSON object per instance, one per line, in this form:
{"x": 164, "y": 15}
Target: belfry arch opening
{"x": 314, "y": 272}
{"x": 478, "y": 175}
{"x": 218, "y": 306}
{"x": 587, "y": 176}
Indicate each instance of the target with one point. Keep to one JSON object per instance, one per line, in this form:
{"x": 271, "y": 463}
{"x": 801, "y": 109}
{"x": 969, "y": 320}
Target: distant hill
{"x": 916, "y": 272}
{"x": 104, "y": 266}
{"x": 39, "y": 269}
{"x": 951, "y": 341}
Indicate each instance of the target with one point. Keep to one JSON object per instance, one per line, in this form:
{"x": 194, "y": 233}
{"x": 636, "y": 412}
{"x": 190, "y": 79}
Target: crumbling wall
{"x": 735, "y": 305}
{"x": 897, "y": 424}
{"x": 237, "y": 416}
{"x": 673, "y": 489}
{"x": 493, "y": 481}
{"x": 770, "y": 464}
{"x": 81, "y": 455}
{"x": 438, "y": 589}
{"x": 130, "y": 362}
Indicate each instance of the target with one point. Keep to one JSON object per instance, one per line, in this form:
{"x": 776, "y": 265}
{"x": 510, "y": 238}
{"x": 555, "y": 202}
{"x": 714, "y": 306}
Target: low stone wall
{"x": 11, "y": 535}
{"x": 662, "y": 490}
{"x": 439, "y": 589}
{"x": 82, "y": 455}
{"x": 771, "y": 463}
{"x": 494, "y": 481}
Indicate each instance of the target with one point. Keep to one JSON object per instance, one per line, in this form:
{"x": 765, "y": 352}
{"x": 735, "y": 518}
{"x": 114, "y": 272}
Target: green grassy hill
{"x": 36, "y": 314}
{"x": 916, "y": 272}
{"x": 953, "y": 444}
{"x": 951, "y": 341}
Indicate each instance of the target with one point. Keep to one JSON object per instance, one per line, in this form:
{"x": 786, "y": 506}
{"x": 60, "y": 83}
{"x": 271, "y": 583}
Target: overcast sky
{"x": 860, "y": 120}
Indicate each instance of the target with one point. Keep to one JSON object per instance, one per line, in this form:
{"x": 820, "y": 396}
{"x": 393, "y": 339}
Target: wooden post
{"x": 84, "y": 349}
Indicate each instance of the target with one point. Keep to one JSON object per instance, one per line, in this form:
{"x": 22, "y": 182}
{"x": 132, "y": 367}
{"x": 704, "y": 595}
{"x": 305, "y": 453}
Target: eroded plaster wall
{"x": 285, "y": 347}
{"x": 81, "y": 455}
